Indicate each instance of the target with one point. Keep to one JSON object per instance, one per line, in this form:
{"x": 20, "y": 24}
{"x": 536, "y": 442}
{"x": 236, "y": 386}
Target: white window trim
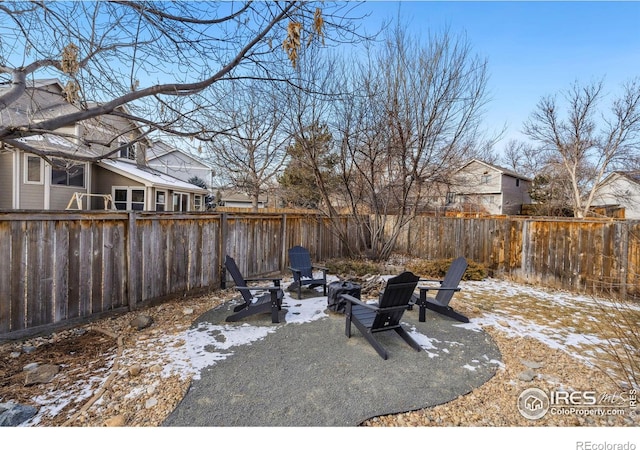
{"x": 155, "y": 199}
{"x": 196, "y": 206}
{"x": 134, "y": 149}
{"x": 129, "y": 202}
{"x": 26, "y": 169}
{"x": 85, "y": 177}
{"x": 176, "y": 193}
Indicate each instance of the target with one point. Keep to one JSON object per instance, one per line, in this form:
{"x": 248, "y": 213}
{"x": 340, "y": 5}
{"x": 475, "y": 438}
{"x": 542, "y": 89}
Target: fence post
{"x": 623, "y": 259}
{"x": 283, "y": 243}
{"x": 223, "y": 250}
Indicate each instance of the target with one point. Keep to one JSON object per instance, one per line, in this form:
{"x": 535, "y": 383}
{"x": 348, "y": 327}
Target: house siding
{"x": 478, "y": 179}
{"x": 493, "y": 189}
{"x": 480, "y": 185}
{"x": 61, "y": 195}
{"x": 514, "y": 196}
{"x": 6, "y": 180}
{"x": 31, "y": 195}
{"x": 181, "y": 166}
{"x": 623, "y": 192}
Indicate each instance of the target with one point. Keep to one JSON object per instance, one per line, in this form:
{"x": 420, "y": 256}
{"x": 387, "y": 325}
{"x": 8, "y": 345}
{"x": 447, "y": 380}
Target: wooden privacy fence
{"x": 61, "y": 268}
{"x": 589, "y": 256}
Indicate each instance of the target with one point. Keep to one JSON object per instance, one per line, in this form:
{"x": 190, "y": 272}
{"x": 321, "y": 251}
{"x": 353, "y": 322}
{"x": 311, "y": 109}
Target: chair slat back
{"x": 451, "y": 280}
{"x": 398, "y": 292}
{"x": 238, "y": 279}
{"x": 300, "y": 259}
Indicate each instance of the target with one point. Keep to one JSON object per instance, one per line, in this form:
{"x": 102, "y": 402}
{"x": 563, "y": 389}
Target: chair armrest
{"x": 274, "y": 280}
{"x": 293, "y": 269}
{"x": 430, "y": 281}
{"x": 354, "y": 300}
{"x": 258, "y": 288}
{"x": 438, "y": 288}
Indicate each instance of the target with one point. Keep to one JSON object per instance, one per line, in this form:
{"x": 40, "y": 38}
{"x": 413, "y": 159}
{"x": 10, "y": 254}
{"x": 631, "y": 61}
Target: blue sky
{"x": 533, "y": 48}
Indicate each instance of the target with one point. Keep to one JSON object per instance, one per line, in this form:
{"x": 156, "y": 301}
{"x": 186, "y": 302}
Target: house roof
{"x": 502, "y": 170}
{"x": 44, "y": 99}
{"x": 52, "y": 143}
{"x": 633, "y": 176}
{"x": 148, "y": 176}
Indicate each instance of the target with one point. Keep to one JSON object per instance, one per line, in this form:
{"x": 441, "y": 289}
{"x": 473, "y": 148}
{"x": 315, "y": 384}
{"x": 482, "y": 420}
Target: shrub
{"x": 353, "y": 267}
{"x": 438, "y": 269}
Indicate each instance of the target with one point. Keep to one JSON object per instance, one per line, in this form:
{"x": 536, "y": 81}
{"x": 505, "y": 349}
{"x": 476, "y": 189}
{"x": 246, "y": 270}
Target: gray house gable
{"x": 177, "y": 162}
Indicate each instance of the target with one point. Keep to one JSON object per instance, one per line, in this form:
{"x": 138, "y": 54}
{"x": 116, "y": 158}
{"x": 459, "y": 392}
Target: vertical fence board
{"x": 6, "y": 291}
{"x": 33, "y": 263}
{"x": 47, "y": 257}
{"x": 61, "y": 280}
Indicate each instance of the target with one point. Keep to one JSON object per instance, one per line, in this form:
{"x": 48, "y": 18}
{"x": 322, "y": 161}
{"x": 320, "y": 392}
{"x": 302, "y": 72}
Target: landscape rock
{"x": 116, "y": 421}
{"x": 41, "y": 374}
{"x": 135, "y": 370}
{"x": 12, "y": 414}
{"x": 527, "y": 375}
{"x": 141, "y": 322}
{"x": 531, "y": 364}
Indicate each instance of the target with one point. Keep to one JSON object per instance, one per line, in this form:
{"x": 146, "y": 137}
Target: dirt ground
{"x": 132, "y": 392}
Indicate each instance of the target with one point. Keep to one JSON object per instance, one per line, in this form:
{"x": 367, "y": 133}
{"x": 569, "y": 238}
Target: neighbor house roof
{"x": 148, "y": 176}
{"x": 502, "y": 170}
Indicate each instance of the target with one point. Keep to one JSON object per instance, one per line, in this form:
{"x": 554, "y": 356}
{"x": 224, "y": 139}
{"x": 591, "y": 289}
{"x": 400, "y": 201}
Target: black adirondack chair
{"x": 385, "y": 316}
{"x": 448, "y": 286}
{"x": 303, "y": 270}
{"x": 262, "y": 303}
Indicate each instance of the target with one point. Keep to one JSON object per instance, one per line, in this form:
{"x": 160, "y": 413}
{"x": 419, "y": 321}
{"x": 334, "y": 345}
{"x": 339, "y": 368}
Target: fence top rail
{"x": 532, "y": 218}
{"x": 26, "y": 215}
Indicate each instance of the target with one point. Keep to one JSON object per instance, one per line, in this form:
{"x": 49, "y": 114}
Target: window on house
{"x": 517, "y": 182}
{"x": 128, "y": 199}
{"x": 197, "y": 202}
{"x": 180, "y": 201}
{"x": 485, "y": 178}
{"x": 33, "y": 169}
{"x": 128, "y": 151}
{"x": 161, "y": 201}
{"x": 451, "y": 197}
{"x": 65, "y": 173}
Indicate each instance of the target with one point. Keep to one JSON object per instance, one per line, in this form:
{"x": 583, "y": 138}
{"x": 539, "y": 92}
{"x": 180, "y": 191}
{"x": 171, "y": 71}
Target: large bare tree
{"x": 584, "y": 143}
{"x": 253, "y": 151}
{"x": 162, "y": 60}
{"x": 416, "y": 119}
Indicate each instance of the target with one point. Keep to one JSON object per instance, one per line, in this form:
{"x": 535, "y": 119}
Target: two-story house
{"x": 484, "y": 187}
{"x": 98, "y": 163}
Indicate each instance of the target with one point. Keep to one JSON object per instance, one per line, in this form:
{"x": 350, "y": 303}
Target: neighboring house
{"x": 620, "y": 189}
{"x": 235, "y": 199}
{"x": 178, "y": 163}
{"x": 488, "y": 188}
{"x": 29, "y": 182}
